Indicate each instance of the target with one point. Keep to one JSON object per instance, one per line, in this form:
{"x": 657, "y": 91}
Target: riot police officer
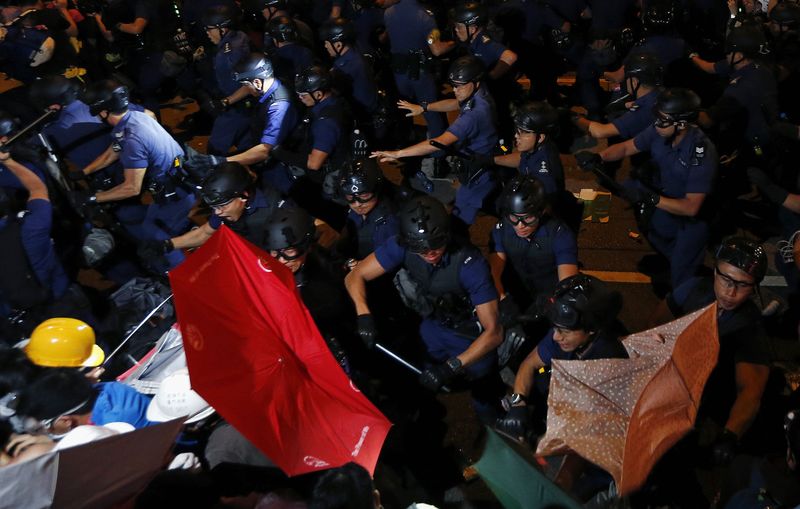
{"x": 643, "y": 74}
{"x": 230, "y": 103}
{"x": 230, "y": 191}
{"x": 686, "y": 163}
{"x": 151, "y": 159}
{"x": 288, "y": 56}
{"x": 270, "y": 9}
{"x": 415, "y": 40}
{"x": 474, "y": 134}
{"x": 449, "y": 284}
{"x": 530, "y": 247}
{"x": 582, "y": 312}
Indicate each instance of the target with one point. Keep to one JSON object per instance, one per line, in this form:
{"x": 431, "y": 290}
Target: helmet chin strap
{"x": 633, "y": 90}
{"x": 733, "y": 63}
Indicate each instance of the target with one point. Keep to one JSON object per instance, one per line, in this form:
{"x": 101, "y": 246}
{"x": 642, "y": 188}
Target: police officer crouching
{"x": 449, "y": 284}
{"x": 235, "y": 201}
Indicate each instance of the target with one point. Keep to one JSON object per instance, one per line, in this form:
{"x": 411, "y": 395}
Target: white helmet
{"x": 175, "y": 398}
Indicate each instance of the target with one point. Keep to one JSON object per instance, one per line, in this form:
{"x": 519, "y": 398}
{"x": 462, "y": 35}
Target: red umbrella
{"x": 256, "y": 356}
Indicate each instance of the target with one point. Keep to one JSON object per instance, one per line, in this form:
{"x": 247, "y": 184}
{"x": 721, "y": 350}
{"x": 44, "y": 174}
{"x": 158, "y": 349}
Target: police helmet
{"x": 8, "y": 124}
{"x": 311, "y": 79}
{"x": 225, "y": 182}
{"x": 255, "y": 66}
{"x": 362, "y": 176}
{"x": 338, "y": 30}
{"x": 524, "y": 195}
{"x": 260, "y": 5}
{"x": 536, "y": 117}
{"x": 424, "y": 225}
{"x": 97, "y": 245}
{"x": 583, "y": 302}
{"x": 219, "y": 16}
{"x": 54, "y": 89}
{"x": 470, "y": 14}
{"x": 744, "y": 254}
{"x": 291, "y": 227}
{"x": 660, "y": 16}
{"x": 645, "y": 67}
{"x": 786, "y": 14}
{"x": 748, "y": 40}
{"x": 106, "y": 95}
{"x": 681, "y": 104}
{"x": 466, "y": 69}
{"x": 282, "y": 29}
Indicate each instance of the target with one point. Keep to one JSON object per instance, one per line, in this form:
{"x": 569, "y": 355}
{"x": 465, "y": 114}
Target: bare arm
{"x": 497, "y": 263}
{"x": 508, "y": 160}
{"x": 422, "y": 148}
{"x": 619, "y": 151}
{"x": 241, "y": 93}
{"x": 356, "y": 282}
{"x": 252, "y": 155}
{"x": 103, "y": 160}
{"x": 442, "y": 106}
{"x": 316, "y": 159}
{"x": 490, "y": 338}
{"x": 703, "y": 65}
{"x": 566, "y": 270}
{"x": 135, "y": 28}
{"x": 524, "y": 380}
{"x": 688, "y": 206}
{"x": 792, "y": 202}
{"x": 507, "y": 59}
{"x": 193, "y": 238}
{"x": 751, "y": 379}
{"x": 37, "y": 190}
{"x": 130, "y": 187}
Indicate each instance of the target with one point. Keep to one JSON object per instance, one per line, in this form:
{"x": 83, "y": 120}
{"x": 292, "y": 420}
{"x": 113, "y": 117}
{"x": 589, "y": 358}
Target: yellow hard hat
{"x": 64, "y": 343}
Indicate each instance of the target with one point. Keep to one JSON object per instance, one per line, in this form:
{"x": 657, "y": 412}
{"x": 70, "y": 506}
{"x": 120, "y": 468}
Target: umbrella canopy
{"x": 515, "y": 482}
{"x": 256, "y": 356}
{"x": 624, "y": 414}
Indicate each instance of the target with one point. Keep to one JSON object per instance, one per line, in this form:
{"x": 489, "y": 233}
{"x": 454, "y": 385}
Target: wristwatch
{"x": 424, "y": 105}
{"x": 454, "y": 364}
{"x": 517, "y": 398}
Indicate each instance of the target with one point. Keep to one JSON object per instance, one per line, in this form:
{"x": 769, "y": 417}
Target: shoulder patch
{"x": 485, "y": 39}
{"x": 467, "y": 260}
{"x": 227, "y": 48}
{"x": 543, "y": 167}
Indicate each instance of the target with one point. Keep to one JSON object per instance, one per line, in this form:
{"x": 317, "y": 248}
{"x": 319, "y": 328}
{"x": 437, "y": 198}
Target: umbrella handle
{"x": 403, "y": 362}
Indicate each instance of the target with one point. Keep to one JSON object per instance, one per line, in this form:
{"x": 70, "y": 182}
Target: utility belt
{"x": 412, "y": 64}
{"x": 466, "y": 170}
{"x": 165, "y": 188}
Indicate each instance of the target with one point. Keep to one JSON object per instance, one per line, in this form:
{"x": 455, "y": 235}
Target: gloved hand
{"x": 513, "y": 339}
{"x": 83, "y": 197}
{"x": 635, "y": 193}
{"x": 785, "y": 130}
{"x": 435, "y": 377}
{"x": 185, "y": 461}
{"x": 200, "y": 164}
{"x": 515, "y": 423}
{"x": 367, "y": 330}
{"x": 769, "y": 189}
{"x": 509, "y": 311}
{"x": 75, "y": 175}
{"x": 537, "y": 309}
{"x": 149, "y": 249}
{"x": 214, "y": 107}
{"x": 723, "y": 450}
{"x": 588, "y": 161}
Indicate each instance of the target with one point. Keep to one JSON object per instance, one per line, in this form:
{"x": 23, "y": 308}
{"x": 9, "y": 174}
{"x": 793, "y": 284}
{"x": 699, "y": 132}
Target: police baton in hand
{"x": 44, "y": 116}
{"x": 402, "y": 361}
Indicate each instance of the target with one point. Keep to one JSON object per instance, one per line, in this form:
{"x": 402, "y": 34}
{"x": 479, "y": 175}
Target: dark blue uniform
{"x": 291, "y": 59}
{"x": 668, "y": 48}
{"x": 486, "y": 50}
{"x": 371, "y": 231}
{"x": 545, "y": 166}
{"x": 143, "y": 143}
{"x": 477, "y": 134}
{"x": 277, "y": 116}
{"x": 688, "y": 168}
{"x": 355, "y": 74}
{"x": 231, "y": 127}
{"x": 639, "y": 117}
{"x": 368, "y": 22}
{"x": 409, "y": 25}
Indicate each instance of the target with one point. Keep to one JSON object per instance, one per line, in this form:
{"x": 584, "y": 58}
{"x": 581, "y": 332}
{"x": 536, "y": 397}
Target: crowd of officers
{"x": 307, "y": 104}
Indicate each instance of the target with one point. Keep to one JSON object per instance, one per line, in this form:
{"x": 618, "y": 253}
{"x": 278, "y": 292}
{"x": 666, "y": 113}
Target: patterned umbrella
{"x": 624, "y": 414}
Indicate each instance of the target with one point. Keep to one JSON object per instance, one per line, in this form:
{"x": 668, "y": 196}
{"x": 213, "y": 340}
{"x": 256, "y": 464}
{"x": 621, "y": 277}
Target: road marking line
{"x": 637, "y": 277}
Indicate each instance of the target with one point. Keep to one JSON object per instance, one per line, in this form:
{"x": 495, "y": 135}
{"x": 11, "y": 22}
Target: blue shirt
{"x": 408, "y": 25}
{"x": 638, "y": 118}
{"x": 357, "y": 72}
{"x": 545, "y": 166}
{"x": 603, "y": 346}
{"x": 144, "y": 143}
{"x": 690, "y": 167}
{"x": 668, "y": 48}
{"x": 367, "y": 22}
{"x": 232, "y": 48}
{"x": 381, "y": 224}
{"x": 475, "y": 127}
{"x": 10, "y": 181}
{"x": 486, "y": 50}
{"x": 326, "y": 133}
{"x": 755, "y": 88}
{"x": 281, "y": 118}
{"x": 475, "y": 276}
{"x": 118, "y": 402}
{"x": 292, "y": 59}
{"x": 565, "y": 245}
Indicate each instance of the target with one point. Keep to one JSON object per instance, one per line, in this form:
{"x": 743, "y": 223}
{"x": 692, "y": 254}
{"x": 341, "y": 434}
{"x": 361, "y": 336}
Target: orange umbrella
{"x": 624, "y": 414}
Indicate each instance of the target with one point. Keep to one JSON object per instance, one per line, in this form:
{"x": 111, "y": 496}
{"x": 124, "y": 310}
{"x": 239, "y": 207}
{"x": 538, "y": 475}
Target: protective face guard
{"x": 281, "y": 253}
{"x": 363, "y": 197}
{"x": 419, "y": 246}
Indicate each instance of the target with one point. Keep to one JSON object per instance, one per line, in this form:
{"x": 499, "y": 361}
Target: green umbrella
{"x": 515, "y": 482}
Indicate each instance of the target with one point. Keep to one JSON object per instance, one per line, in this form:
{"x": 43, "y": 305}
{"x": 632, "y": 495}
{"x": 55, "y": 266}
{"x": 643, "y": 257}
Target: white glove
{"x": 185, "y": 461}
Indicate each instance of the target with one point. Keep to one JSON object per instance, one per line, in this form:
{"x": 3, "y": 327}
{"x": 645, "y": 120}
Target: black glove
{"x": 200, "y": 164}
{"x": 367, "y": 330}
{"x": 75, "y": 175}
{"x": 637, "y": 194}
{"x": 588, "y": 161}
{"x": 150, "y": 249}
{"x": 509, "y": 311}
{"x": 537, "y": 310}
{"x": 785, "y": 130}
{"x": 83, "y": 197}
{"x": 513, "y": 339}
{"x": 769, "y": 189}
{"x": 515, "y": 423}
{"x": 723, "y": 450}
{"x": 213, "y": 107}
{"x": 437, "y": 376}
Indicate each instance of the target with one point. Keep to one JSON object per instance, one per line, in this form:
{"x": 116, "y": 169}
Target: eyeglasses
{"x": 525, "y": 219}
{"x": 662, "y": 122}
{"x": 359, "y": 197}
{"x": 523, "y": 132}
{"x": 288, "y": 253}
{"x": 219, "y": 208}
{"x": 728, "y": 282}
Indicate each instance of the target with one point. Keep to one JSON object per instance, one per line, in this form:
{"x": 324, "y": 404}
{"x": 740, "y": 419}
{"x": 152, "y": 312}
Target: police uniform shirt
{"x": 36, "y": 224}
{"x": 232, "y": 48}
{"x": 10, "y": 181}
{"x": 475, "y": 276}
{"x": 475, "y": 126}
{"x": 538, "y": 16}
{"x": 379, "y": 221}
{"x": 145, "y": 144}
{"x": 281, "y": 118}
{"x": 668, "y": 48}
{"x": 638, "y": 118}
{"x": 755, "y": 88}
{"x": 605, "y": 345}
{"x": 363, "y": 90}
{"x": 486, "y": 50}
{"x": 292, "y": 59}
{"x": 326, "y": 133}
{"x": 367, "y": 23}
{"x": 408, "y": 25}
{"x": 545, "y": 166}
{"x": 565, "y": 246}
{"x": 688, "y": 168}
